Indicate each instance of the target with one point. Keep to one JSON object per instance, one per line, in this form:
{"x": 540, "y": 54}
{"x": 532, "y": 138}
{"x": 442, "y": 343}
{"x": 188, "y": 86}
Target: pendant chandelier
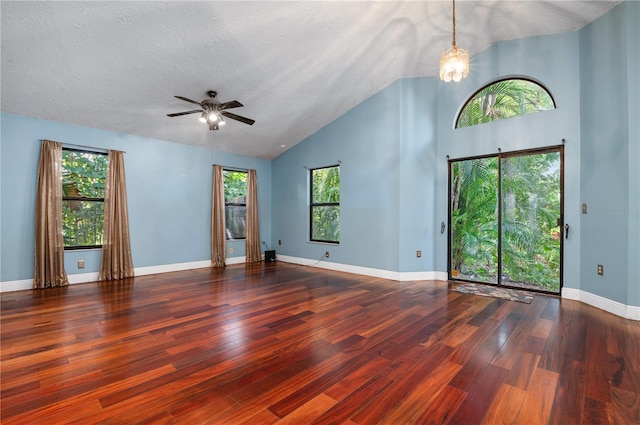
{"x": 454, "y": 63}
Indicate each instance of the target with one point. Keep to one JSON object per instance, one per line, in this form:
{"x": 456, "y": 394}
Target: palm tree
{"x": 504, "y": 99}
{"x": 474, "y": 201}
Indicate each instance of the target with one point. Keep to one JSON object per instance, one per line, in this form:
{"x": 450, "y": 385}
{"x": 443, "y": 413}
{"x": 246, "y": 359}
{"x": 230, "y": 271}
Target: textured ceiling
{"x": 296, "y": 66}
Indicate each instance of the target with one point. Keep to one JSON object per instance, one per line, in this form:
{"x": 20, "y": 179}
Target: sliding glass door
{"x": 505, "y": 218}
{"x": 474, "y": 220}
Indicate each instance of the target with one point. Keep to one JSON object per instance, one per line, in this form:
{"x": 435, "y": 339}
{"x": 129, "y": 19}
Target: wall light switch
{"x": 418, "y": 253}
{"x": 230, "y": 250}
{"x": 584, "y": 208}
{"x": 81, "y": 264}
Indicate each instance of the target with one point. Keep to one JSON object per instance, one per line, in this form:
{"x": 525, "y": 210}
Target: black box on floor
{"x": 269, "y": 256}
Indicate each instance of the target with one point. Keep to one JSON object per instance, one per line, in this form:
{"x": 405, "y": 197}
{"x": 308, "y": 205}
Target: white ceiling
{"x": 296, "y": 66}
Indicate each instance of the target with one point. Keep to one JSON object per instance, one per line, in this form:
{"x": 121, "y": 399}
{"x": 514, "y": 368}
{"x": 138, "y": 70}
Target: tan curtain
{"x": 116, "y": 260}
{"x": 218, "y": 229}
{"x": 49, "y": 242}
{"x": 253, "y": 228}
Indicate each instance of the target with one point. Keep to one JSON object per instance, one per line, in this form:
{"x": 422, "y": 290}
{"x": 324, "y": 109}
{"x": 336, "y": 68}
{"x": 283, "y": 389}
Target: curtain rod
{"x": 232, "y": 168}
{"x": 84, "y": 147}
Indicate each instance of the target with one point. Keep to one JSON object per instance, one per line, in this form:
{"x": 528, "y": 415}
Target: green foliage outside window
{"x": 474, "y": 219}
{"x": 530, "y": 210}
{"x": 505, "y": 99}
{"x": 83, "y": 184}
{"x": 235, "y": 201}
{"x": 325, "y": 204}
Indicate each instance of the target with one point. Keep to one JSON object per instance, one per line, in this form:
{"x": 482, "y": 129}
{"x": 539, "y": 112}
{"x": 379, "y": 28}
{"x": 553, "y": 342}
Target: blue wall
{"x": 609, "y": 112}
{"x": 168, "y": 189}
{"x": 365, "y": 142}
{"x": 632, "y": 26}
{"x": 386, "y": 212}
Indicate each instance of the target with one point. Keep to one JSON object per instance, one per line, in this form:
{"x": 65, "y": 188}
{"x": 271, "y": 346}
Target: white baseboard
{"x": 366, "y": 271}
{"x": 21, "y": 285}
{"x": 16, "y": 285}
{"x": 78, "y": 278}
{"x": 236, "y": 260}
{"x": 166, "y": 268}
{"x": 613, "y": 307}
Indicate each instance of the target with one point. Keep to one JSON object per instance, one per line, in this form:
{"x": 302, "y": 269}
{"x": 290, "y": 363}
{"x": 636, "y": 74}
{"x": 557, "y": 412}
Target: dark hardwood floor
{"x": 287, "y": 344}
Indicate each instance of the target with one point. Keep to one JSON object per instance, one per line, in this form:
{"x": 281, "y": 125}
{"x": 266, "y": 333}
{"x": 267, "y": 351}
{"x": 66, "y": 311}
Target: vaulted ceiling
{"x": 296, "y": 66}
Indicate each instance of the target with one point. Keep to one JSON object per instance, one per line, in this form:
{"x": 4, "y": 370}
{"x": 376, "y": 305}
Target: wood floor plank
{"x": 569, "y": 400}
{"x": 539, "y": 401}
{"x": 268, "y": 343}
{"x": 340, "y": 390}
{"x": 309, "y": 411}
{"x": 597, "y": 412}
{"x": 520, "y": 374}
{"x": 418, "y": 403}
{"x": 356, "y": 401}
{"x": 407, "y": 376}
{"x": 506, "y": 405}
{"x": 479, "y": 394}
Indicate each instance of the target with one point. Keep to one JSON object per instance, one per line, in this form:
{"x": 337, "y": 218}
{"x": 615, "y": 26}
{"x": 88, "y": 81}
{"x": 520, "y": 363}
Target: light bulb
{"x": 203, "y": 117}
{"x": 221, "y": 121}
{"x": 213, "y": 117}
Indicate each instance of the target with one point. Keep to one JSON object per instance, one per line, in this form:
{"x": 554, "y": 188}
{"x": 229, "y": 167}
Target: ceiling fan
{"x": 212, "y": 111}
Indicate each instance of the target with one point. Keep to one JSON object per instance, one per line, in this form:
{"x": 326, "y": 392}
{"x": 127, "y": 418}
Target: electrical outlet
{"x": 81, "y": 264}
{"x": 418, "y": 253}
{"x": 230, "y": 250}
{"x": 326, "y": 254}
{"x": 279, "y": 242}
{"x": 600, "y": 270}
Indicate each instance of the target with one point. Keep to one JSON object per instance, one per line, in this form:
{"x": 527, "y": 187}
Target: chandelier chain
{"x": 453, "y": 43}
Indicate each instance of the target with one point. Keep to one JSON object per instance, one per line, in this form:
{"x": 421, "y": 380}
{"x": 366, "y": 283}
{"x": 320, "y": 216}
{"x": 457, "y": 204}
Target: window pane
{"x": 235, "y": 217}
{"x": 82, "y": 223}
{"x": 235, "y": 198}
{"x": 235, "y": 186}
{"x": 505, "y": 99}
{"x": 325, "y": 223}
{"x": 83, "y": 174}
{"x": 326, "y": 185}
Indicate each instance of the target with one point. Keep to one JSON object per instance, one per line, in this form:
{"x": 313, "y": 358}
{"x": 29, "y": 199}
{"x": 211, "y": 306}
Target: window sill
{"x": 324, "y": 243}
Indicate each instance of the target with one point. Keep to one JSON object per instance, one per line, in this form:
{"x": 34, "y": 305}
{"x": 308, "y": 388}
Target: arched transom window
{"x": 504, "y": 99}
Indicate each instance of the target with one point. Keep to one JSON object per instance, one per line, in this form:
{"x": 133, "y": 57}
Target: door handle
{"x": 566, "y": 231}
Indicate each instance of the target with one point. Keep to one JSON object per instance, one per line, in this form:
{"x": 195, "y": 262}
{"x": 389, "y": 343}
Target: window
{"x": 504, "y": 99}
{"x": 83, "y": 181}
{"x": 325, "y": 204}
{"x": 235, "y": 203}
